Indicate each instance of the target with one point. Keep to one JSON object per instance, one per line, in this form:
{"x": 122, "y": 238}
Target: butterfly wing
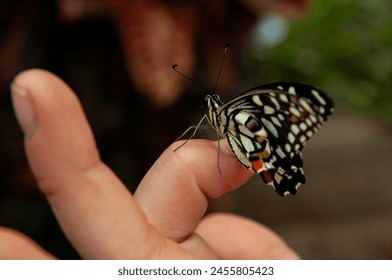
{"x": 268, "y": 126}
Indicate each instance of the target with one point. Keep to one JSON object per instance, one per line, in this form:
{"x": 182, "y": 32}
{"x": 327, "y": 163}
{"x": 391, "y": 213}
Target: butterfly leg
{"x": 195, "y": 127}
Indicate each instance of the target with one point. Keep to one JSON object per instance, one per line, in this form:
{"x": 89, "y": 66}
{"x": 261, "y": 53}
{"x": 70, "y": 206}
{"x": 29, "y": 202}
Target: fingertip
{"x": 215, "y": 168}
{"x": 59, "y": 139}
{"x": 24, "y": 88}
{"x": 34, "y": 77}
{"x": 48, "y": 93}
{"x": 15, "y": 245}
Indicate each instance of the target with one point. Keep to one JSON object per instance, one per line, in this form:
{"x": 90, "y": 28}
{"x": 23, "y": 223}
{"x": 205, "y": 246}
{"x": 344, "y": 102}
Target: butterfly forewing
{"x": 268, "y": 126}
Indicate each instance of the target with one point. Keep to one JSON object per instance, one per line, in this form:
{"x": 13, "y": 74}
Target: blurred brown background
{"x": 117, "y": 56}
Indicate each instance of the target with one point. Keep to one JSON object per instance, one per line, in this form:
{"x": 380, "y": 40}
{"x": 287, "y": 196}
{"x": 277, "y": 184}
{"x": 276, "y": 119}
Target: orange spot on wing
{"x": 293, "y": 119}
{"x": 257, "y": 165}
{"x": 260, "y": 139}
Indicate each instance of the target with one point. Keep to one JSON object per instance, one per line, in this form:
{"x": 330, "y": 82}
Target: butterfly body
{"x": 267, "y": 127}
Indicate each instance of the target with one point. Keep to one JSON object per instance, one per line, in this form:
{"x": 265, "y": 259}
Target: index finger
{"x": 174, "y": 193}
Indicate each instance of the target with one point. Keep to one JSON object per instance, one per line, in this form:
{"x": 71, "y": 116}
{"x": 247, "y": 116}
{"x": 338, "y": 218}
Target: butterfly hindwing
{"x": 286, "y": 179}
{"x": 268, "y": 126}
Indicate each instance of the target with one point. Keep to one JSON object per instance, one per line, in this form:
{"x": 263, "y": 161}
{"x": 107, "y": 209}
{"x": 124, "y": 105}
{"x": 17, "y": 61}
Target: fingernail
{"x": 24, "y": 110}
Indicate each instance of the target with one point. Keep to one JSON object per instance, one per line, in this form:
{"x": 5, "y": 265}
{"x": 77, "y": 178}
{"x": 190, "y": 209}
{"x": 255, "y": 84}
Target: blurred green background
{"x": 344, "y": 47}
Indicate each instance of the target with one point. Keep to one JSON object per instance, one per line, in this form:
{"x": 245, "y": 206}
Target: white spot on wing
{"x": 295, "y": 129}
{"x": 268, "y": 110}
{"x": 295, "y": 111}
{"x": 246, "y": 143}
{"x": 320, "y": 118}
{"x": 278, "y": 177}
{"x": 261, "y": 133}
{"x": 256, "y": 99}
{"x": 317, "y": 95}
{"x": 241, "y": 118}
{"x": 280, "y": 153}
{"x": 291, "y": 137}
{"x": 270, "y": 127}
{"x": 276, "y": 121}
{"x": 292, "y": 90}
{"x": 273, "y": 100}
{"x": 313, "y": 118}
{"x": 268, "y": 165}
{"x": 305, "y": 105}
{"x": 283, "y": 97}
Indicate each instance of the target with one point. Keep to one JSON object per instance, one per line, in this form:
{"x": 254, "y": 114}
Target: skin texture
{"x": 100, "y": 217}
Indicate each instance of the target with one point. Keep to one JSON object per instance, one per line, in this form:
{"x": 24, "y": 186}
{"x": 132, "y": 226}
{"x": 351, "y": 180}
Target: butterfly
{"x": 267, "y": 127}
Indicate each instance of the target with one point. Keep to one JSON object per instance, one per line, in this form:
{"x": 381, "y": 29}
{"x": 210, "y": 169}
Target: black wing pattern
{"x": 268, "y": 126}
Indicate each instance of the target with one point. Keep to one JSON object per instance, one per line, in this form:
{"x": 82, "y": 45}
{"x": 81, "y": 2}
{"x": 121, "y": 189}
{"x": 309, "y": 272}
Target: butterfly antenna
{"x": 174, "y": 66}
{"x": 221, "y": 66}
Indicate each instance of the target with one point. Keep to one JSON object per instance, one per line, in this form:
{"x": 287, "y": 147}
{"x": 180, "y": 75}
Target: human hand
{"x": 163, "y": 220}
